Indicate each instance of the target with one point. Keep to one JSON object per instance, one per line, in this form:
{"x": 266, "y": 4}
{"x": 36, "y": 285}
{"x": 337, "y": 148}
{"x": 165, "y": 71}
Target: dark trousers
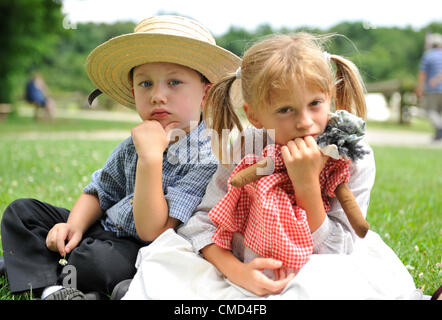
{"x": 101, "y": 259}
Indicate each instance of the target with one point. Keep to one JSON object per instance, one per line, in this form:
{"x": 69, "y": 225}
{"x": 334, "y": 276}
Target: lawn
{"x": 417, "y": 125}
{"x": 405, "y": 208}
{"x": 16, "y": 124}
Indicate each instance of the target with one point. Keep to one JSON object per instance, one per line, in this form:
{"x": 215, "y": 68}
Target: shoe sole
{"x": 66, "y": 294}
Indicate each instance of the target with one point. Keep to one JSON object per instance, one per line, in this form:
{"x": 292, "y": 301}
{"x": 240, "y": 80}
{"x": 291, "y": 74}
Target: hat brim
{"x": 109, "y": 64}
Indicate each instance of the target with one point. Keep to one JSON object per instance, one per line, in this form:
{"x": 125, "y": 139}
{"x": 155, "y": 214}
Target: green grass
{"x": 51, "y": 171}
{"x": 415, "y": 125}
{"x": 17, "y": 124}
{"x": 54, "y": 171}
{"x": 405, "y": 208}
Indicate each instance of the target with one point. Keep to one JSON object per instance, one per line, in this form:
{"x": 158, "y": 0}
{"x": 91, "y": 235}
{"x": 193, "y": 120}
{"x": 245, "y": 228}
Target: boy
{"x": 147, "y": 185}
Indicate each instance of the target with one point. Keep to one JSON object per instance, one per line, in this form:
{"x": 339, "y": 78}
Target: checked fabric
{"x": 266, "y": 214}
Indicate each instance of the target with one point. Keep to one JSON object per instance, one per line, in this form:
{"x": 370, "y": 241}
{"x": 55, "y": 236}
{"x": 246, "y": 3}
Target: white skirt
{"x": 170, "y": 269}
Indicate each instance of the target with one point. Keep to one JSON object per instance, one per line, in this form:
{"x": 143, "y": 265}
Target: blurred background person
{"x": 429, "y": 87}
{"x": 36, "y": 93}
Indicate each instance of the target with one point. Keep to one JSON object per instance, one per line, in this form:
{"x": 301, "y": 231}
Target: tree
{"x": 235, "y": 40}
{"x": 381, "y": 53}
{"x": 65, "y": 70}
{"x": 30, "y": 30}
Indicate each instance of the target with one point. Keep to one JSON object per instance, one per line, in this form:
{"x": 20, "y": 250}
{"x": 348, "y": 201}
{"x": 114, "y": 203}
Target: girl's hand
{"x": 151, "y": 139}
{"x": 303, "y": 160}
{"x": 57, "y": 236}
{"x": 252, "y": 278}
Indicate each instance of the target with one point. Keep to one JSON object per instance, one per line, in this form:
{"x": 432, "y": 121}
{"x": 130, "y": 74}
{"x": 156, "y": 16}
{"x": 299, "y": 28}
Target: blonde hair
{"x": 278, "y": 63}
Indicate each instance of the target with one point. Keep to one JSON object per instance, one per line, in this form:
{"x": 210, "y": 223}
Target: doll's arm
{"x": 352, "y": 210}
{"x": 251, "y": 173}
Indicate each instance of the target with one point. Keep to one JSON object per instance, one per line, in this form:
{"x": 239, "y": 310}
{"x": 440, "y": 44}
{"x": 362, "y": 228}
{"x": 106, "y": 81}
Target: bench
{"x": 5, "y": 110}
{"x": 388, "y": 88}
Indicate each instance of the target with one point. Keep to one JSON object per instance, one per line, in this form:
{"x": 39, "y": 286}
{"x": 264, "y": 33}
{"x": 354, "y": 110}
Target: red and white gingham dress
{"x": 265, "y": 211}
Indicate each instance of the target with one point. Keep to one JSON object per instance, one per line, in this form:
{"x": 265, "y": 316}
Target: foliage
{"x": 380, "y": 53}
{"x": 36, "y": 41}
{"x": 65, "y": 70}
{"x": 30, "y": 28}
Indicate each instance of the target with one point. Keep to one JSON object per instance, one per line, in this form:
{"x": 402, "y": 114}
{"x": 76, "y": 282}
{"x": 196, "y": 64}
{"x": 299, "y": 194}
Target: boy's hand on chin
{"x": 151, "y": 139}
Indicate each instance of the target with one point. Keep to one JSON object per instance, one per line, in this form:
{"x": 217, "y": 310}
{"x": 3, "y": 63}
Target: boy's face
{"x": 168, "y": 92}
{"x": 293, "y": 115}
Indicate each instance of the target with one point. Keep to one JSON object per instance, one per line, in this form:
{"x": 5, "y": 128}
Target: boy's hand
{"x": 151, "y": 139}
{"x": 252, "y": 278}
{"x": 304, "y": 161}
{"x": 57, "y": 236}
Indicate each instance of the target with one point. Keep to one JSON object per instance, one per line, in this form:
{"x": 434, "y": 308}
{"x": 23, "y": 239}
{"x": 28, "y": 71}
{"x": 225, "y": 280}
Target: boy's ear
{"x": 251, "y": 116}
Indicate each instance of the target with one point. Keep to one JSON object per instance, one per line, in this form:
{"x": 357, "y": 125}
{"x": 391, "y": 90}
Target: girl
{"x": 289, "y": 86}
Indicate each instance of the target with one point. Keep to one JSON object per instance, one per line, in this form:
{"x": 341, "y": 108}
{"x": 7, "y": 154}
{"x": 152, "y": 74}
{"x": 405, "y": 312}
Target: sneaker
{"x": 66, "y": 294}
{"x": 120, "y": 289}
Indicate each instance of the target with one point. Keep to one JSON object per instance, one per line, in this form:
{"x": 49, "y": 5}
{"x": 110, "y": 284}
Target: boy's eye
{"x": 145, "y": 84}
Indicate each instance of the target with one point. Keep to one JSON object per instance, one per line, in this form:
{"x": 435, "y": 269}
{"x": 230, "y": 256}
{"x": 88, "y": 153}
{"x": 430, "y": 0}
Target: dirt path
{"x": 374, "y": 136}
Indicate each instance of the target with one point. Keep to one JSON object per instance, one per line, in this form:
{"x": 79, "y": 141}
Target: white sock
{"x": 50, "y": 290}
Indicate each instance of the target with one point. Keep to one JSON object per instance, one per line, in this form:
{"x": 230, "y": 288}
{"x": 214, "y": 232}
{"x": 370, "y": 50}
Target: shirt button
{"x": 119, "y": 227}
{"x": 131, "y": 201}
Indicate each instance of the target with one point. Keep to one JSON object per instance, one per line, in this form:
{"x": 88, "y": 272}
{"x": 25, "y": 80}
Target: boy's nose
{"x": 158, "y": 96}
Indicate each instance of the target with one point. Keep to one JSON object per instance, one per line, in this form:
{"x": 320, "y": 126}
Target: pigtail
{"x": 219, "y": 113}
{"x": 349, "y": 88}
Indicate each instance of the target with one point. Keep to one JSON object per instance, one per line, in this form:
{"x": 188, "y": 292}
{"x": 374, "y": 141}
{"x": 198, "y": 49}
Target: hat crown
{"x": 176, "y": 26}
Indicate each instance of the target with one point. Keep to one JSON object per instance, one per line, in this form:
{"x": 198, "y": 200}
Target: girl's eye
{"x": 145, "y": 84}
{"x": 174, "y": 82}
{"x": 315, "y": 103}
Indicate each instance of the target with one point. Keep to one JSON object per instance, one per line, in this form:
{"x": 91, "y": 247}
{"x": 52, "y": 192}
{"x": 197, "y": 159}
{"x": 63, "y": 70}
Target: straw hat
{"x": 157, "y": 39}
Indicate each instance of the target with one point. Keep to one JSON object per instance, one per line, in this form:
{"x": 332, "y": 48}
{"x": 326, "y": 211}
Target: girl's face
{"x": 293, "y": 115}
{"x": 168, "y": 92}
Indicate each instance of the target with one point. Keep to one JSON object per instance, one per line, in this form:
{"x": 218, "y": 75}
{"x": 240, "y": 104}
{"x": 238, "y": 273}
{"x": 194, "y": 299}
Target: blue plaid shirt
{"x": 188, "y": 166}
